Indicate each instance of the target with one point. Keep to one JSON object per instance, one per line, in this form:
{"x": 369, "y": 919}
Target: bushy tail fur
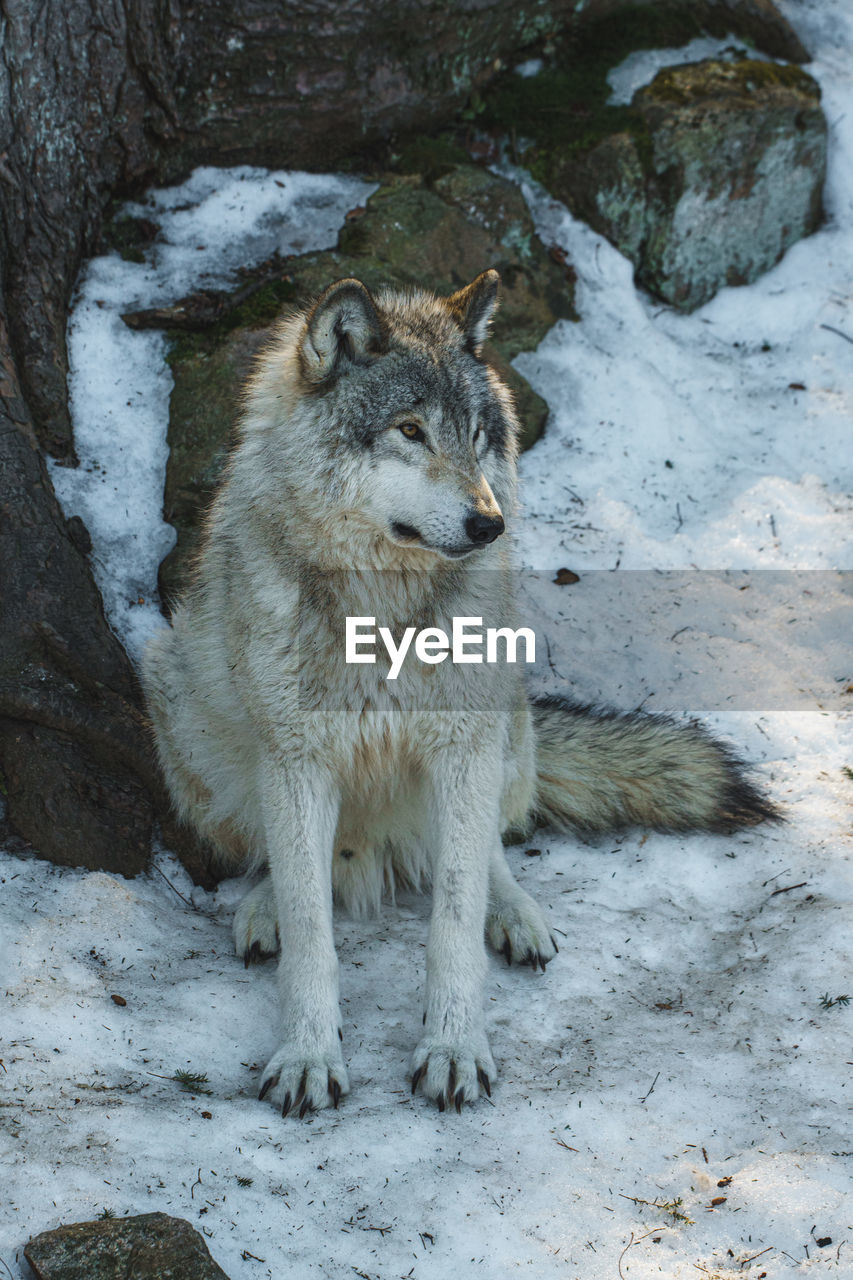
{"x": 599, "y": 770}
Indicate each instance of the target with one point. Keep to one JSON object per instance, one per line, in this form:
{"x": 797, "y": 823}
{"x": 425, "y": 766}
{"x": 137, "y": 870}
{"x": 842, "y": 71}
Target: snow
{"x": 679, "y": 1039}
{"x": 530, "y": 67}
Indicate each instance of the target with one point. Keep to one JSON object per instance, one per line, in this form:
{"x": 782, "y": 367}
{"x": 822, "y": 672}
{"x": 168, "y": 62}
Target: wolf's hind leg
{"x": 515, "y": 925}
{"x": 256, "y": 935}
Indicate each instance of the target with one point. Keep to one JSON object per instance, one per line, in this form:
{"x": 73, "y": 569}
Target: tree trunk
{"x": 97, "y": 98}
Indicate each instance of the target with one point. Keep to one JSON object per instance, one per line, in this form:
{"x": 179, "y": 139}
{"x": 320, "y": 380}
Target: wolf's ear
{"x": 472, "y": 308}
{"x": 343, "y": 326}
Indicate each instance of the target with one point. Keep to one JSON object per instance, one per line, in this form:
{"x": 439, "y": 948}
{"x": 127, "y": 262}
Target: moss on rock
{"x": 697, "y": 82}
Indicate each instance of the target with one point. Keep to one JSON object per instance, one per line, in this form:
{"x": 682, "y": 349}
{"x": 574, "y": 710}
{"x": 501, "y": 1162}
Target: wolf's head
{"x": 390, "y": 435}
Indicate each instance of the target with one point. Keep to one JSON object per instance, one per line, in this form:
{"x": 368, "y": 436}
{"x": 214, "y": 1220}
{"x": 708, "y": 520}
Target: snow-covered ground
{"x": 674, "y": 1097}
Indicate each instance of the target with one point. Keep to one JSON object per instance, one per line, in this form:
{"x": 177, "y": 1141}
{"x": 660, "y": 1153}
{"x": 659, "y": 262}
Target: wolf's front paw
{"x": 452, "y": 1074}
{"x": 304, "y": 1082}
{"x": 516, "y": 927}
{"x": 256, "y": 925}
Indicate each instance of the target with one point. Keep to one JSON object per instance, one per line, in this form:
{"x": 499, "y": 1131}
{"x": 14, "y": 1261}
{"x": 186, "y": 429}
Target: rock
{"x": 719, "y": 171}
{"x": 48, "y": 775}
{"x": 152, "y": 1246}
{"x": 438, "y": 234}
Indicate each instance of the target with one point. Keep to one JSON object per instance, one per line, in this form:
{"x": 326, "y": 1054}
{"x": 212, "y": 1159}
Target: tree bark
{"x": 98, "y": 98}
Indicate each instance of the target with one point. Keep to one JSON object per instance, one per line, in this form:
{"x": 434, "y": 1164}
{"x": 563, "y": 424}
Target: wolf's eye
{"x": 411, "y": 431}
{"x": 477, "y": 435}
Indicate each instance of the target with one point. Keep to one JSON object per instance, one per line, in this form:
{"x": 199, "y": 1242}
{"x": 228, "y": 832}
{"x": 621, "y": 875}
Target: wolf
{"x": 374, "y": 475}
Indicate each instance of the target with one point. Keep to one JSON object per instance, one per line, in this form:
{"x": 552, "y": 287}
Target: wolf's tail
{"x": 599, "y": 770}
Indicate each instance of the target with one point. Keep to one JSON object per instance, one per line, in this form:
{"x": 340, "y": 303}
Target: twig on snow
{"x": 631, "y": 1244}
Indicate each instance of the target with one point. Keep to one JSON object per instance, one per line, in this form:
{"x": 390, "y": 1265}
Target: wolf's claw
{"x": 266, "y": 1086}
{"x": 485, "y": 1082}
{"x": 255, "y": 954}
{"x": 285, "y": 1106}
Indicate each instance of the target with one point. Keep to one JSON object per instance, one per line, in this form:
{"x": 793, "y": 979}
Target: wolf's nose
{"x": 482, "y": 529}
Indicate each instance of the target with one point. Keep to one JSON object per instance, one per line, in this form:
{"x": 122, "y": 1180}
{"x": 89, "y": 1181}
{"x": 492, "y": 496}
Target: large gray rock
{"x": 720, "y": 171}
{"x": 152, "y": 1246}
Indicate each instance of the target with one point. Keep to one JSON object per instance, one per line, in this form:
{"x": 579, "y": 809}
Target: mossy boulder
{"x": 437, "y": 234}
{"x": 715, "y": 170}
{"x": 151, "y": 1246}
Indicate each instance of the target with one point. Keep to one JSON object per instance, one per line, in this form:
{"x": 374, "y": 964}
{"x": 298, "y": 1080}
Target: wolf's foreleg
{"x": 453, "y": 1061}
{"x": 300, "y": 809}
